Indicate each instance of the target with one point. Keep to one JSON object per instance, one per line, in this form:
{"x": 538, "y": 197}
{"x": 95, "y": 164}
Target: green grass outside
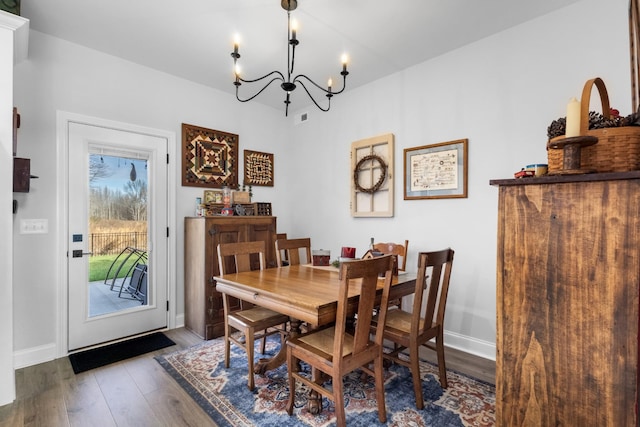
{"x": 99, "y": 266}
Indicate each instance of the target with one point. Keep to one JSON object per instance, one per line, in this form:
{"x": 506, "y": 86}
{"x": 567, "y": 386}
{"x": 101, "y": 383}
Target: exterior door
{"x": 117, "y": 234}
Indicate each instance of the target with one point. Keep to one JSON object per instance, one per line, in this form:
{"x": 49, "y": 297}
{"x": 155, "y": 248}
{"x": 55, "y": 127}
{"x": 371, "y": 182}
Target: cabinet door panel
{"x": 567, "y": 300}
{"x": 204, "y": 313}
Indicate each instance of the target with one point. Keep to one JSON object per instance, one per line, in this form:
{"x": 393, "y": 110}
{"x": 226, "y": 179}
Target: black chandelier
{"x": 288, "y": 84}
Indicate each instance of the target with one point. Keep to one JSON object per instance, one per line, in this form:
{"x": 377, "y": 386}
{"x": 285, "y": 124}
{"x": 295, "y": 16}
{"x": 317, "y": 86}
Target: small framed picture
{"x": 437, "y": 171}
{"x": 258, "y": 168}
{"x": 212, "y": 196}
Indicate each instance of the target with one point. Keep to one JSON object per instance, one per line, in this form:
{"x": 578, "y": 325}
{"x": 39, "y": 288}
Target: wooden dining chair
{"x": 400, "y": 251}
{"x": 285, "y": 260}
{"x": 254, "y": 322}
{"x": 415, "y": 328}
{"x": 291, "y": 249}
{"x": 394, "y": 249}
{"x": 336, "y": 352}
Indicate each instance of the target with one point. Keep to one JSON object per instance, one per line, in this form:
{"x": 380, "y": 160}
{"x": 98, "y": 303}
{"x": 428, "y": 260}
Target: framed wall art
{"x": 372, "y": 177}
{"x": 209, "y": 157}
{"x": 212, "y": 196}
{"x": 258, "y": 168}
{"x": 437, "y": 171}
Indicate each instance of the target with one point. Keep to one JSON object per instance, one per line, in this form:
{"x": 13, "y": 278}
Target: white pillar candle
{"x": 573, "y": 118}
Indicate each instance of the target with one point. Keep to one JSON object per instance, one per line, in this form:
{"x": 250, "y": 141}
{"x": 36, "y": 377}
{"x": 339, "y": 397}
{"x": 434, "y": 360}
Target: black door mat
{"x": 112, "y": 353}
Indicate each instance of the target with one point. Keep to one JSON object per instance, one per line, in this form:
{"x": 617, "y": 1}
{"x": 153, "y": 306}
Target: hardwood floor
{"x": 135, "y": 392}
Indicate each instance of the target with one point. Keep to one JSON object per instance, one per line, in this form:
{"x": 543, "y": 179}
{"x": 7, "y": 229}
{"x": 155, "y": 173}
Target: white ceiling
{"x": 193, "y": 39}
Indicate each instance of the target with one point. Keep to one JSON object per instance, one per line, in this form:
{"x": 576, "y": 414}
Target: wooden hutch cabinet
{"x": 568, "y": 278}
{"x": 204, "y": 314}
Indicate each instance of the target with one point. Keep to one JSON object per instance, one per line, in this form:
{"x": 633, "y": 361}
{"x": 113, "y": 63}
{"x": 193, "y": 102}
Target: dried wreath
{"x": 383, "y": 173}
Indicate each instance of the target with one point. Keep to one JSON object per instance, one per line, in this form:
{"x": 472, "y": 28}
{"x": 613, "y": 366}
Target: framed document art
{"x": 209, "y": 157}
{"x": 437, "y": 171}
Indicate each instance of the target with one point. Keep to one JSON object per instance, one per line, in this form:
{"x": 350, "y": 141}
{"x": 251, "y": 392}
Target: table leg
{"x": 267, "y": 364}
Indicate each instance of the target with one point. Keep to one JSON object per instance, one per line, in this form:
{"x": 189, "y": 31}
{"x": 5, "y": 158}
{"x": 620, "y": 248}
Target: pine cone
{"x": 557, "y": 128}
{"x": 596, "y": 120}
{"x": 633, "y": 119}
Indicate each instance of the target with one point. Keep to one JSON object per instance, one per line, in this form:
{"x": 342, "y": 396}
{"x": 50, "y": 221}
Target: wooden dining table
{"x": 303, "y": 292}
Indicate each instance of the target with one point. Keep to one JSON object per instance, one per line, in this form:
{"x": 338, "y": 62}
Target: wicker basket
{"x": 618, "y": 148}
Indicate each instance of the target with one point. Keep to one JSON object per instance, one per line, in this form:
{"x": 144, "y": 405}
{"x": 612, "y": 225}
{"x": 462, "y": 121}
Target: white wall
{"x": 63, "y": 76}
{"x": 501, "y": 93}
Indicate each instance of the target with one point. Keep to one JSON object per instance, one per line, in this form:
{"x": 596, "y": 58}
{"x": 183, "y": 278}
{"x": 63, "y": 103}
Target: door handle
{"x": 77, "y": 253}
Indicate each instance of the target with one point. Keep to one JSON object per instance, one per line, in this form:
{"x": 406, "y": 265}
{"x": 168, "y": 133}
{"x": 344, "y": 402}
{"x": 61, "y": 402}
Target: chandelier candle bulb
{"x": 236, "y": 72}
{"x": 573, "y": 118}
{"x": 236, "y": 44}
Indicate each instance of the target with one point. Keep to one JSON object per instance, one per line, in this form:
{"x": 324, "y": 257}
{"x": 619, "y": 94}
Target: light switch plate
{"x": 34, "y": 226}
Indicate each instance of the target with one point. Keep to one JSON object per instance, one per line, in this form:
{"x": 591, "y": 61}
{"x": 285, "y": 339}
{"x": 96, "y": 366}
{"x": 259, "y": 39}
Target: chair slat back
{"x": 282, "y": 236}
{"x": 434, "y": 269}
{"x": 394, "y": 249}
{"x": 241, "y": 253}
{"x": 292, "y": 248}
{"x": 364, "y": 274}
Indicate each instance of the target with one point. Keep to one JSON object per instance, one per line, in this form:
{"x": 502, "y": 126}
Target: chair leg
{"x": 263, "y": 342}
{"x": 338, "y": 398}
{"x": 249, "y": 346}
{"x": 283, "y": 335}
{"x": 415, "y": 374}
{"x": 227, "y": 330}
{"x": 292, "y": 381}
{"x": 379, "y": 378}
{"x": 227, "y": 344}
{"x": 441, "y": 364}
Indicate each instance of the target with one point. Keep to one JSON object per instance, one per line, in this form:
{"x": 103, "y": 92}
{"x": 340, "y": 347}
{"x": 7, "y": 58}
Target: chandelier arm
{"x": 302, "y": 76}
{"x": 311, "y": 96}
{"x": 260, "y": 91}
{"x": 262, "y": 78}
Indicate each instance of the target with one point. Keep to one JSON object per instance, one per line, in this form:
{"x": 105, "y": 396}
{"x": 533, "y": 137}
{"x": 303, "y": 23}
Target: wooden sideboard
{"x": 204, "y": 314}
{"x": 568, "y": 279}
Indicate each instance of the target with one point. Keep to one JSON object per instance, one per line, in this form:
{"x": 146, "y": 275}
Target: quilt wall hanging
{"x": 209, "y": 157}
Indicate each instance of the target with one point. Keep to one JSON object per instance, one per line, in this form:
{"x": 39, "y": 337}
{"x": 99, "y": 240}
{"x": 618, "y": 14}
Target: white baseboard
{"x": 46, "y": 353}
{"x": 470, "y": 345}
{"x": 34, "y": 355}
{"x": 179, "y": 321}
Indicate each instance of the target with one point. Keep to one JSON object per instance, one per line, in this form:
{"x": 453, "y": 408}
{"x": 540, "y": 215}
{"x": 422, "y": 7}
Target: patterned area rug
{"x": 224, "y": 395}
